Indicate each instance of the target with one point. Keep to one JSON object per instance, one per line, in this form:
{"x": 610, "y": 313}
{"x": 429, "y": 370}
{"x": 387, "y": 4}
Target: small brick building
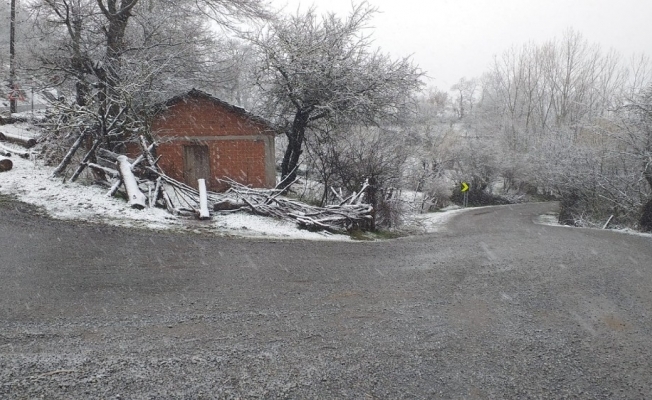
{"x": 201, "y": 136}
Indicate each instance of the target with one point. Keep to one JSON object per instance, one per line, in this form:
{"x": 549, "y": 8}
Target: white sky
{"x": 451, "y": 39}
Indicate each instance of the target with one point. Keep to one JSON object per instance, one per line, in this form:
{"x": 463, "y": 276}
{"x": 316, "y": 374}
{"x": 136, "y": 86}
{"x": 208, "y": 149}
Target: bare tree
{"x": 562, "y": 118}
{"x": 465, "y": 90}
{"x": 551, "y": 89}
{"x": 322, "y": 71}
{"x": 636, "y": 133}
{"x": 349, "y": 156}
{"x": 124, "y": 56}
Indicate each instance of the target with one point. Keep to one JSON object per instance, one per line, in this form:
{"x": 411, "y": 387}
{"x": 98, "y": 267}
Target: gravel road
{"x": 494, "y": 306}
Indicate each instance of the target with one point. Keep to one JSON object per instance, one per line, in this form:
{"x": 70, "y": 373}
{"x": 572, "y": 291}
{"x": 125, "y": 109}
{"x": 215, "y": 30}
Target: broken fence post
{"x": 203, "y": 200}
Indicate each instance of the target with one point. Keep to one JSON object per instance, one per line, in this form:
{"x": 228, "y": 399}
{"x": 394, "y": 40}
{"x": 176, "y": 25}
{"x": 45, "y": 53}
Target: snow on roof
{"x": 199, "y": 94}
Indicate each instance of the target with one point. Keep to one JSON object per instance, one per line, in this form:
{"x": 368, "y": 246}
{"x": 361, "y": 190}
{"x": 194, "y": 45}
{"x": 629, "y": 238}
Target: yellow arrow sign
{"x": 465, "y": 187}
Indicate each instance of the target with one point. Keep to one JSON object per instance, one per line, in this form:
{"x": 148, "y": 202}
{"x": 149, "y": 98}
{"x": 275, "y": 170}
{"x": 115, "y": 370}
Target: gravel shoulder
{"x": 493, "y": 306}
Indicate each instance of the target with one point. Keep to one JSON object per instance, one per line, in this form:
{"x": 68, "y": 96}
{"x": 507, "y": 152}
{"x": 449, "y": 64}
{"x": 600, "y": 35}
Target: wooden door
{"x": 196, "y": 165}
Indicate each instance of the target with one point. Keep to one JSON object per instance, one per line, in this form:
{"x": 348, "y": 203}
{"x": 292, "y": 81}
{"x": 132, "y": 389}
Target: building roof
{"x": 199, "y": 94}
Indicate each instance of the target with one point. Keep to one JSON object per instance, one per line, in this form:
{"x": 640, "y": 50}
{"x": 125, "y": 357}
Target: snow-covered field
{"x": 29, "y": 181}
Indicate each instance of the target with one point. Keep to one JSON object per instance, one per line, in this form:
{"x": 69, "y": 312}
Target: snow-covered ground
{"x": 29, "y": 181}
{"x": 552, "y": 219}
{"x": 22, "y": 130}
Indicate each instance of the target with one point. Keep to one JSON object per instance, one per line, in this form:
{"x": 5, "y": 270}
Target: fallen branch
{"x": 181, "y": 199}
{"x": 66, "y": 160}
{"x": 20, "y": 153}
{"x": 113, "y": 157}
{"x": 84, "y": 163}
{"x": 114, "y": 187}
{"x": 154, "y": 196}
{"x": 147, "y": 152}
{"x": 268, "y": 202}
{"x": 109, "y": 171}
{"x": 168, "y": 201}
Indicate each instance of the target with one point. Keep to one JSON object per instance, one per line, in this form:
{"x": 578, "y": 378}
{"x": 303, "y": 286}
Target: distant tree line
{"x": 562, "y": 119}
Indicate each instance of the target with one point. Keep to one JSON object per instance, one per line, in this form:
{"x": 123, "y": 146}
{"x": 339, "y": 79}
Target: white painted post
{"x": 203, "y": 200}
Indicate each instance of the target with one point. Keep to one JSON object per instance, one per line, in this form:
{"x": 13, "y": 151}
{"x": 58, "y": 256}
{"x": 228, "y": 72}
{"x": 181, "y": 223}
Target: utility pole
{"x": 12, "y": 56}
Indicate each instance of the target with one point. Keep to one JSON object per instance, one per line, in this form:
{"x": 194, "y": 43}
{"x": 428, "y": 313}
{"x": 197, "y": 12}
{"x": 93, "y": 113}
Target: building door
{"x": 196, "y": 165}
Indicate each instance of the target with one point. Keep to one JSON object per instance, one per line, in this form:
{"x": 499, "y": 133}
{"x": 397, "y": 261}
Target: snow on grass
{"x": 434, "y": 222}
{"x": 552, "y": 219}
{"x": 630, "y": 231}
{"x": 29, "y": 181}
{"x": 22, "y": 130}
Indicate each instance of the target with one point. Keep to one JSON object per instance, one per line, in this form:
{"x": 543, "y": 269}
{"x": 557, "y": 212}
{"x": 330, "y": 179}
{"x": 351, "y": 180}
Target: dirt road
{"x": 494, "y": 306}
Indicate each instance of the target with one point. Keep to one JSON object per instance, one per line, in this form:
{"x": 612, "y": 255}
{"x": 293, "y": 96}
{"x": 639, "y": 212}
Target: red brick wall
{"x": 242, "y": 160}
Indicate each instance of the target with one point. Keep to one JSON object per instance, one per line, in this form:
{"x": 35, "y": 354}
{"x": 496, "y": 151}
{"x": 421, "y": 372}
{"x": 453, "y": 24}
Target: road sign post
{"x": 465, "y": 192}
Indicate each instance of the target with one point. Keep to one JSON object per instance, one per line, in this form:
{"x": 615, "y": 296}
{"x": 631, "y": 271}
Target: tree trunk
{"x": 23, "y": 141}
{"x": 293, "y": 151}
{"x": 81, "y": 92}
{"x": 5, "y": 164}
{"x": 117, "y": 15}
{"x": 82, "y": 165}
{"x": 646, "y": 216}
{"x": 136, "y": 198}
{"x": 66, "y": 160}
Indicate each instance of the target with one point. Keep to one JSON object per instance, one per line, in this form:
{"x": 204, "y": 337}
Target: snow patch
{"x": 30, "y": 182}
{"x": 21, "y": 130}
{"x": 552, "y": 219}
{"x": 434, "y": 222}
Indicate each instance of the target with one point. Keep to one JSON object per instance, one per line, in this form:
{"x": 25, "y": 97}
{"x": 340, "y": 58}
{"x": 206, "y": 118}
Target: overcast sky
{"x": 451, "y": 39}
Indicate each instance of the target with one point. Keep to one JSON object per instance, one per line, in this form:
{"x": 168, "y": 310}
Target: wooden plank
{"x": 136, "y": 198}
{"x": 196, "y": 164}
{"x": 27, "y": 142}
